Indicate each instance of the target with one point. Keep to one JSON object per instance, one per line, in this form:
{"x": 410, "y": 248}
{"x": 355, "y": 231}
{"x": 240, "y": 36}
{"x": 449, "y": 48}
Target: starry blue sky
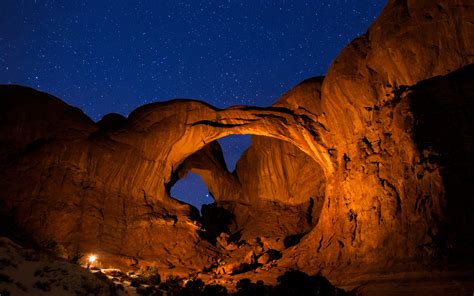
{"x": 113, "y": 56}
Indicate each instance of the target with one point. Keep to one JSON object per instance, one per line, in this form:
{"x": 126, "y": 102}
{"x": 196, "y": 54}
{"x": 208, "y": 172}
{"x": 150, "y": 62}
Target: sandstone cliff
{"x": 383, "y": 200}
{"x": 370, "y": 167}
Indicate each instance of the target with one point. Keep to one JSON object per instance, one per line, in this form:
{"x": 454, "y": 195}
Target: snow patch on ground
{"x": 29, "y": 272}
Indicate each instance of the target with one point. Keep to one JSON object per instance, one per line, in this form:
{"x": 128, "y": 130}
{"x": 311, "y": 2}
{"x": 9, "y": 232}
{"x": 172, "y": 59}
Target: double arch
{"x": 189, "y": 125}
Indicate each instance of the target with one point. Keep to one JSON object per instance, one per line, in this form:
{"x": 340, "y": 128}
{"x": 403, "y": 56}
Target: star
{"x": 93, "y": 56}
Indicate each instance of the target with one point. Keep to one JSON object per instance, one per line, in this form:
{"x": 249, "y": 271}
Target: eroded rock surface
{"x": 104, "y": 189}
{"x": 368, "y": 169}
{"x": 385, "y": 204}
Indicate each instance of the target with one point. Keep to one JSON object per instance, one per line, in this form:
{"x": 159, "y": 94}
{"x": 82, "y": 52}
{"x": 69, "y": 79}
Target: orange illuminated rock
{"x": 104, "y": 190}
{"x": 368, "y": 170}
{"x": 389, "y": 201}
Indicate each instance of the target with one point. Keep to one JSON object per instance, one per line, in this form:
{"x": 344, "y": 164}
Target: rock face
{"x": 368, "y": 169}
{"x": 103, "y": 187}
{"x": 387, "y": 202}
{"x": 278, "y": 180}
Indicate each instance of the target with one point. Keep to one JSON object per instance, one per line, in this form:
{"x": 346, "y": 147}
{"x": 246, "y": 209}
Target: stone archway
{"x": 195, "y": 125}
{"x": 186, "y": 126}
{"x": 113, "y": 200}
{"x": 273, "y": 179}
{"x": 101, "y": 187}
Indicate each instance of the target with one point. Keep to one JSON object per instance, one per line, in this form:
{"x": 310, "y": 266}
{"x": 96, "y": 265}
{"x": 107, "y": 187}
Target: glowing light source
{"x": 92, "y": 258}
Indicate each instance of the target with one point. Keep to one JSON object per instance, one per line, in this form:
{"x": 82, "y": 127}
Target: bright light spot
{"x": 92, "y": 258}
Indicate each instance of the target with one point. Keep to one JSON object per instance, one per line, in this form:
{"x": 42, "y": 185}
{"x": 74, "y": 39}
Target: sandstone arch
{"x": 392, "y": 202}
{"x": 273, "y": 178}
{"x": 195, "y": 124}
{"x": 115, "y": 172}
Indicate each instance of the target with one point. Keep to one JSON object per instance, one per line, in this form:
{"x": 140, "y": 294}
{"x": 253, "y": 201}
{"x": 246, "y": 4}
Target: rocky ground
{"x": 27, "y": 271}
{"x": 30, "y": 272}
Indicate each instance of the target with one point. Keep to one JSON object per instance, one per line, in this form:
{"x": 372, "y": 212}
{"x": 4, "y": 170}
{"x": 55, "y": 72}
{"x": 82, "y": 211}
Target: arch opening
{"x": 192, "y": 189}
{"x": 267, "y": 194}
{"x": 205, "y": 124}
{"x": 233, "y": 146}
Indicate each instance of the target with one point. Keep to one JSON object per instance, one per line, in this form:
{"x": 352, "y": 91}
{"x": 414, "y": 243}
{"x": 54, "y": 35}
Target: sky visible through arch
{"x": 113, "y": 56}
{"x": 192, "y": 189}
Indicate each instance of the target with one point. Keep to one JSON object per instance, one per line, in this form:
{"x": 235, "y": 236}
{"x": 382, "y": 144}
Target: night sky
{"x": 113, "y": 56}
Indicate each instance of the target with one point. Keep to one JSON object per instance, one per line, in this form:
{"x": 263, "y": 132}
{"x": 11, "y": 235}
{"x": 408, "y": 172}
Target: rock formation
{"x": 387, "y": 203}
{"x": 366, "y": 170}
{"x": 273, "y": 178}
{"x": 26, "y": 272}
{"x": 112, "y": 182}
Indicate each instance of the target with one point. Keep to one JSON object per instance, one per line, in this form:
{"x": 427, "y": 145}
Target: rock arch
{"x": 273, "y": 178}
{"x": 392, "y": 202}
{"x": 113, "y": 198}
{"x": 186, "y": 126}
